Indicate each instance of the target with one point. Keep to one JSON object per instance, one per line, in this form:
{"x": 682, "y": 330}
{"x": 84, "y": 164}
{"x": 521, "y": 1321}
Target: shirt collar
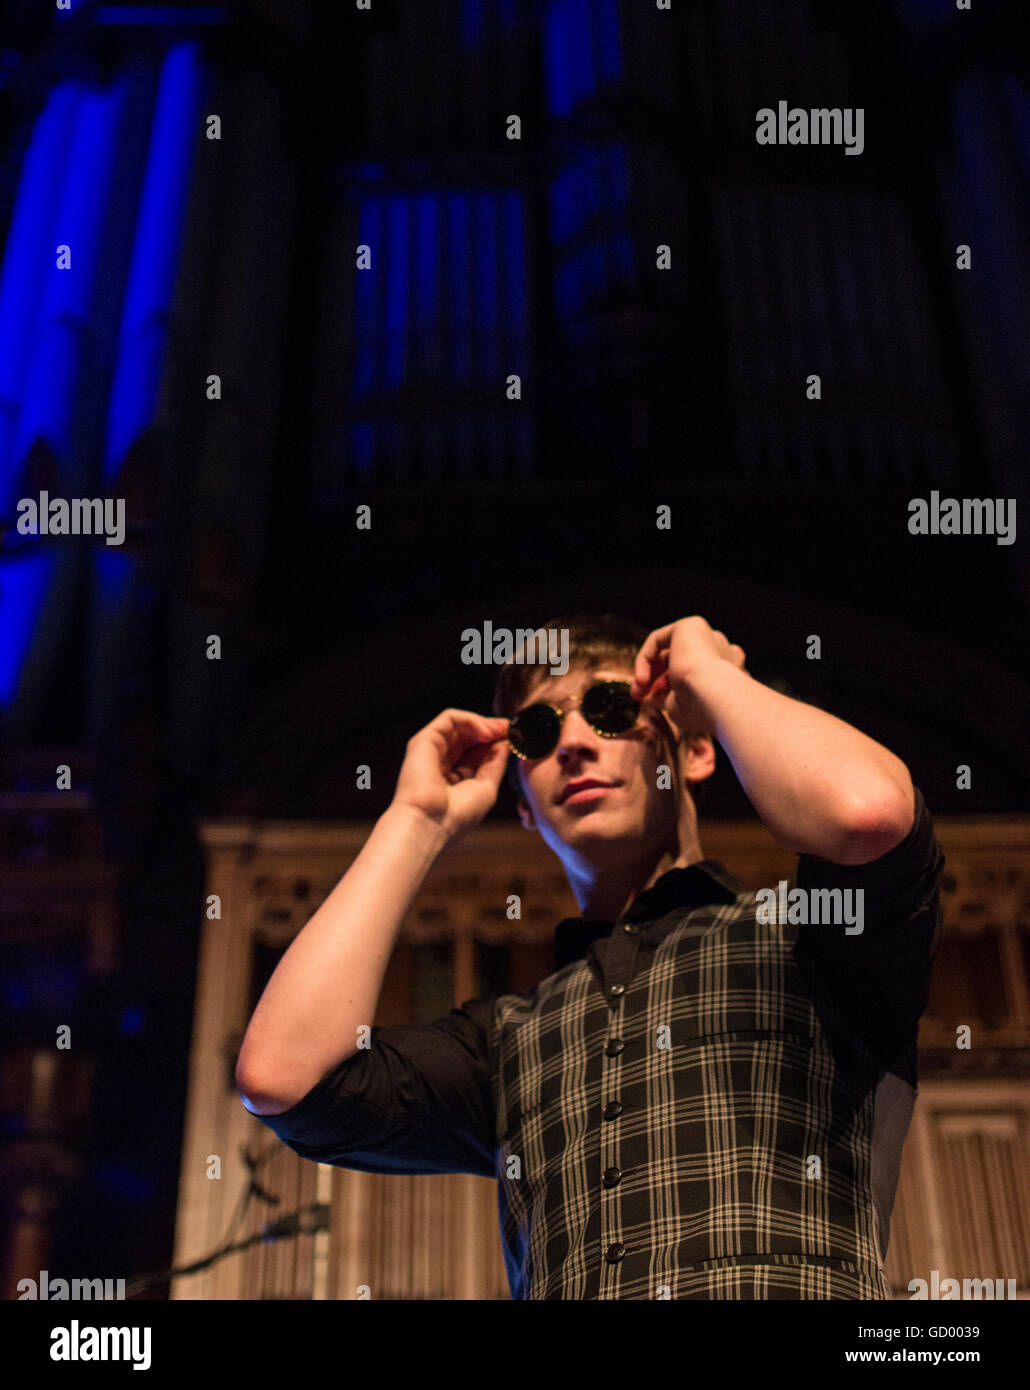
{"x": 695, "y": 886}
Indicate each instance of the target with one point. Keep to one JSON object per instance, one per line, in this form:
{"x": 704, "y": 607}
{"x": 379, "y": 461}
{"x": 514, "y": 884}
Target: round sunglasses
{"x": 534, "y": 731}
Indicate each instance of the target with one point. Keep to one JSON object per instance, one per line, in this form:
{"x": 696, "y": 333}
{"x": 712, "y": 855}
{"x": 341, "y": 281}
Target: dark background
{"x": 640, "y": 387}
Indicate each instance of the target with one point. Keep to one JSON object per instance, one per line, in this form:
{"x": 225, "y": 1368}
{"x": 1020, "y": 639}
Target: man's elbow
{"x": 876, "y": 826}
{"x": 256, "y": 1097}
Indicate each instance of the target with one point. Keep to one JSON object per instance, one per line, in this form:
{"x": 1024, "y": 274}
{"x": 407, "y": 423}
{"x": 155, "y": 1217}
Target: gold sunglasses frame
{"x": 570, "y": 704}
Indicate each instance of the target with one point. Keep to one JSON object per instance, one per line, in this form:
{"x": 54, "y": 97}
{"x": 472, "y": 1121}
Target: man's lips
{"x": 583, "y": 785}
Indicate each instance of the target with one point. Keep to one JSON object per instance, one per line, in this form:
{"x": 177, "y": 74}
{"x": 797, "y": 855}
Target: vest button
{"x": 611, "y": 1176}
{"x": 614, "y": 1046}
{"x": 630, "y": 927}
{"x": 612, "y": 1110}
{"x": 616, "y": 990}
{"x": 614, "y": 1252}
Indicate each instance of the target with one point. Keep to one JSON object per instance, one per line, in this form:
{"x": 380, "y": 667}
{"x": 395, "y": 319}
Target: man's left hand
{"x": 670, "y": 658}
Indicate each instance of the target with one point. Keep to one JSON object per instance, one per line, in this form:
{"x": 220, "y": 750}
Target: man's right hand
{"x": 453, "y": 768}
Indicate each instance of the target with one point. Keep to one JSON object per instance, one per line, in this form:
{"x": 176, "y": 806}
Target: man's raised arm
{"x": 819, "y": 785}
{"x": 327, "y": 984}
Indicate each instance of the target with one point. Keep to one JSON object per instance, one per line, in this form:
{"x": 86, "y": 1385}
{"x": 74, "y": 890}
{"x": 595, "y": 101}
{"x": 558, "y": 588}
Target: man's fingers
{"x": 484, "y": 763}
{"x": 652, "y": 658}
{"x": 659, "y": 688}
{"x": 452, "y": 720}
{"x": 480, "y": 754}
{"x": 490, "y": 761}
{"x": 456, "y": 730}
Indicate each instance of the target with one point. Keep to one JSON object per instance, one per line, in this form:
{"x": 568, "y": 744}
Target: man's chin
{"x": 600, "y": 827}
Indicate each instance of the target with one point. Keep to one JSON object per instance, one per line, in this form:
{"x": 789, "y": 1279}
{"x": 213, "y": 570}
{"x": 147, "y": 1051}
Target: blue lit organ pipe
{"x": 442, "y": 315}
{"x": 45, "y": 332}
{"x": 27, "y": 266}
{"x": 50, "y": 318}
{"x": 120, "y": 591}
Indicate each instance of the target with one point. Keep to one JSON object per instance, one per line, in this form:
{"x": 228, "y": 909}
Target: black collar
{"x": 705, "y": 882}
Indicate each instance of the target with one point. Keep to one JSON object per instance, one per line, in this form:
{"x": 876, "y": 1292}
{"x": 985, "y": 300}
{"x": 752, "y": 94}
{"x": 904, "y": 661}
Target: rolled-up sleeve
{"x": 880, "y": 977}
{"x": 417, "y": 1100}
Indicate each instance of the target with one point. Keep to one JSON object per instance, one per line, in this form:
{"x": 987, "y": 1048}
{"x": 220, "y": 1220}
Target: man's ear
{"x": 700, "y": 757}
{"x": 525, "y": 814}
{"x": 697, "y": 750}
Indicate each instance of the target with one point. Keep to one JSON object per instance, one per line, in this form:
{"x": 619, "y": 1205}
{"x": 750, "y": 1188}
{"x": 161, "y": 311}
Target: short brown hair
{"x": 594, "y": 640}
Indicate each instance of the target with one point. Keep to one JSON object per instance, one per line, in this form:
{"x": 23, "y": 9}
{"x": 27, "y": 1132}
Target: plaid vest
{"x": 685, "y": 1112}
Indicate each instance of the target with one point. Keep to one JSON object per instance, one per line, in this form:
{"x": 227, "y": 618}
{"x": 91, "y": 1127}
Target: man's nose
{"x": 575, "y": 735}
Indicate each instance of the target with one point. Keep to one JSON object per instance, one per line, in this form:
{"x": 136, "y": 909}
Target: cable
{"x": 288, "y": 1225}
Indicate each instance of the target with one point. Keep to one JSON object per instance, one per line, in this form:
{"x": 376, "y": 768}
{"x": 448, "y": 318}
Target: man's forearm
{"x": 819, "y": 785}
{"x": 328, "y": 982}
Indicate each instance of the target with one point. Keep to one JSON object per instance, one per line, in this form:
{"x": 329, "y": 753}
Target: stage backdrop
{"x": 963, "y": 1201}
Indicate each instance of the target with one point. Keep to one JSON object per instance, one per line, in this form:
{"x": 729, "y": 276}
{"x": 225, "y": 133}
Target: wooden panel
{"x": 963, "y": 1204}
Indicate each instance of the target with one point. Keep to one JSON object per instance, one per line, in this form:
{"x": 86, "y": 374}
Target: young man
{"x": 709, "y": 1097}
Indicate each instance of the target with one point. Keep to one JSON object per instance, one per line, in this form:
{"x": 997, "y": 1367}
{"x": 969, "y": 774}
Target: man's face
{"x": 592, "y": 794}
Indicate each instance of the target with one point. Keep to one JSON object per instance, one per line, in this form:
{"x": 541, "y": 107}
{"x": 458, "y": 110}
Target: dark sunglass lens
{"x": 533, "y": 731}
{"x": 609, "y": 709}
